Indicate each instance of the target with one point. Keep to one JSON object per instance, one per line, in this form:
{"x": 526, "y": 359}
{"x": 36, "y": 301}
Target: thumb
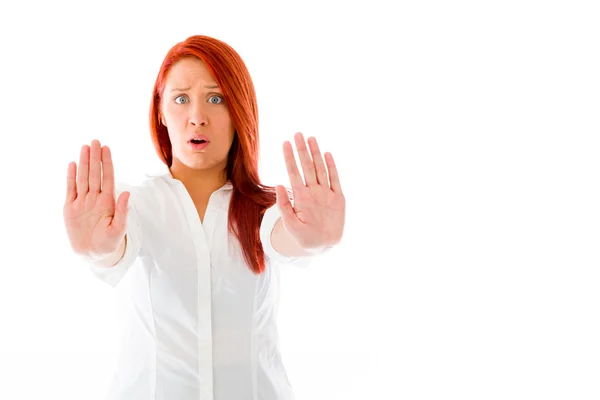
{"x": 119, "y": 221}
{"x": 288, "y": 215}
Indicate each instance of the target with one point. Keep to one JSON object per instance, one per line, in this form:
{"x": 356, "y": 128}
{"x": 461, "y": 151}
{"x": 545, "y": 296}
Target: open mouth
{"x": 198, "y": 141}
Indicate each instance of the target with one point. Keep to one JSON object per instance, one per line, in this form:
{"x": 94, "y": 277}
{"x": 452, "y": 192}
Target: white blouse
{"x": 198, "y": 324}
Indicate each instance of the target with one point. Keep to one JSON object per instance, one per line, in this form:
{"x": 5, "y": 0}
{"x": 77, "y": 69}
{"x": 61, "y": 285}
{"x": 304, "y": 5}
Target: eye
{"x": 215, "y": 99}
{"x": 180, "y": 99}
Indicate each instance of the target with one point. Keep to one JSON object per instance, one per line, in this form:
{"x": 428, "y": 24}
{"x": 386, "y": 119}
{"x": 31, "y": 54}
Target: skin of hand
{"x": 94, "y": 221}
{"x": 316, "y": 219}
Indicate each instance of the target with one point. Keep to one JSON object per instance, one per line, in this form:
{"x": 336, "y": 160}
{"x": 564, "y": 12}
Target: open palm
{"x": 95, "y": 223}
{"x": 317, "y": 217}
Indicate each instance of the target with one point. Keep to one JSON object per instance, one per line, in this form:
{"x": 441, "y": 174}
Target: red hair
{"x": 250, "y": 199}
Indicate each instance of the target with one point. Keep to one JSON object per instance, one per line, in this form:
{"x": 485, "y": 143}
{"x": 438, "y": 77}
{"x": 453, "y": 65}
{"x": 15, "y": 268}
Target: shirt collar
{"x": 164, "y": 172}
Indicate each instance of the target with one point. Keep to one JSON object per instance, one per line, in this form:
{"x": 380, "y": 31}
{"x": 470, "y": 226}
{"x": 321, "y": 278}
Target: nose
{"x": 198, "y": 115}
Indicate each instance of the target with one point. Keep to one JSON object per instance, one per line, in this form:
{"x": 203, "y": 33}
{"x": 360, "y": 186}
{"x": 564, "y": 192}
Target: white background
{"x": 466, "y": 136}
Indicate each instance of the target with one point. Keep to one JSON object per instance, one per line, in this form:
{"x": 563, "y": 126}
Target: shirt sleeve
{"x": 270, "y": 217}
{"x": 112, "y": 275}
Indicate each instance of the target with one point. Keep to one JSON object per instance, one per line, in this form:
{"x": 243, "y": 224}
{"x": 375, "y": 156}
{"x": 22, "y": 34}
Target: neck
{"x": 199, "y": 180}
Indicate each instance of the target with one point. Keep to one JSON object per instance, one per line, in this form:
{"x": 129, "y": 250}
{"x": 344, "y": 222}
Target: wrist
{"x": 104, "y": 259}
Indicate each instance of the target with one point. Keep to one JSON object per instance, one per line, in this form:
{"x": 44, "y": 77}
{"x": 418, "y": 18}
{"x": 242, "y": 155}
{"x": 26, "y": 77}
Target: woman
{"x": 196, "y": 249}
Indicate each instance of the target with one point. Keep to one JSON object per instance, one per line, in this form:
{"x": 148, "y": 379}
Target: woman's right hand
{"x": 95, "y": 223}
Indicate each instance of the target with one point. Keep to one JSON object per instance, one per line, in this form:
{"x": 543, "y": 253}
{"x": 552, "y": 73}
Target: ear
{"x": 161, "y": 117}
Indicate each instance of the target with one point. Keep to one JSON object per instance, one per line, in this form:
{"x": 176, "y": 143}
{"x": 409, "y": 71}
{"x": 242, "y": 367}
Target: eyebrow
{"x": 188, "y": 88}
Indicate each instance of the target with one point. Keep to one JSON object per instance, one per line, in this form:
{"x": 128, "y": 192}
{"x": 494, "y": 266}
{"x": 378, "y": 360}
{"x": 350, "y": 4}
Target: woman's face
{"x": 193, "y": 110}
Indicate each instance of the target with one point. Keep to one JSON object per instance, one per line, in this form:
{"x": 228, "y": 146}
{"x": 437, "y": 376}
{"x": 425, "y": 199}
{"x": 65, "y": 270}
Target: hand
{"x": 316, "y": 220}
{"x": 95, "y": 225}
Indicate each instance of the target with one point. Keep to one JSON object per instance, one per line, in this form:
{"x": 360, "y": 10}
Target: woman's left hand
{"x": 316, "y": 220}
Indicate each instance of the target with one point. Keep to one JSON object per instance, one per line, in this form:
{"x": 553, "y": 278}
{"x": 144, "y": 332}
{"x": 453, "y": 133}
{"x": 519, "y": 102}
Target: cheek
{"x": 172, "y": 111}
{"x": 230, "y": 128}
{"x": 174, "y": 121}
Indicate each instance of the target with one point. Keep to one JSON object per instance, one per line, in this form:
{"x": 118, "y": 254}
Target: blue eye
{"x": 219, "y": 99}
{"x": 179, "y": 97}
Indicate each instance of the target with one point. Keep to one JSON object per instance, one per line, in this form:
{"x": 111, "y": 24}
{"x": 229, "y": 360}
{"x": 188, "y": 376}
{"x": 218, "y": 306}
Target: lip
{"x": 198, "y": 146}
{"x": 198, "y": 137}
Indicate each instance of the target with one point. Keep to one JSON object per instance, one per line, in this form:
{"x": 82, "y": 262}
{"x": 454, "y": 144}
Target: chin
{"x": 199, "y": 160}
{"x": 201, "y": 164}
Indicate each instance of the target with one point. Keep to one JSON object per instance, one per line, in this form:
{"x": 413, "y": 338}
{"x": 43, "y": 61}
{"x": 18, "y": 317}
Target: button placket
{"x": 205, "y": 342}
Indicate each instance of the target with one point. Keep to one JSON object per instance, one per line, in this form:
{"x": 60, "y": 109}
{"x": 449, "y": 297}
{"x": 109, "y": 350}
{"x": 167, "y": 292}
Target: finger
{"x": 320, "y": 169}
{"x": 334, "y": 178}
{"x": 83, "y": 173}
{"x": 288, "y": 215}
{"x": 308, "y": 166}
{"x": 95, "y": 169}
{"x": 71, "y": 183}
{"x": 108, "y": 172}
{"x": 119, "y": 222}
{"x": 292, "y": 169}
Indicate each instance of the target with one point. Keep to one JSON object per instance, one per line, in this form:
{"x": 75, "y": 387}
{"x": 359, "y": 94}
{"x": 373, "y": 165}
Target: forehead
{"x": 189, "y": 72}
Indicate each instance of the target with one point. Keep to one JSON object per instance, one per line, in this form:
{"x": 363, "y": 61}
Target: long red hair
{"x": 250, "y": 198}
